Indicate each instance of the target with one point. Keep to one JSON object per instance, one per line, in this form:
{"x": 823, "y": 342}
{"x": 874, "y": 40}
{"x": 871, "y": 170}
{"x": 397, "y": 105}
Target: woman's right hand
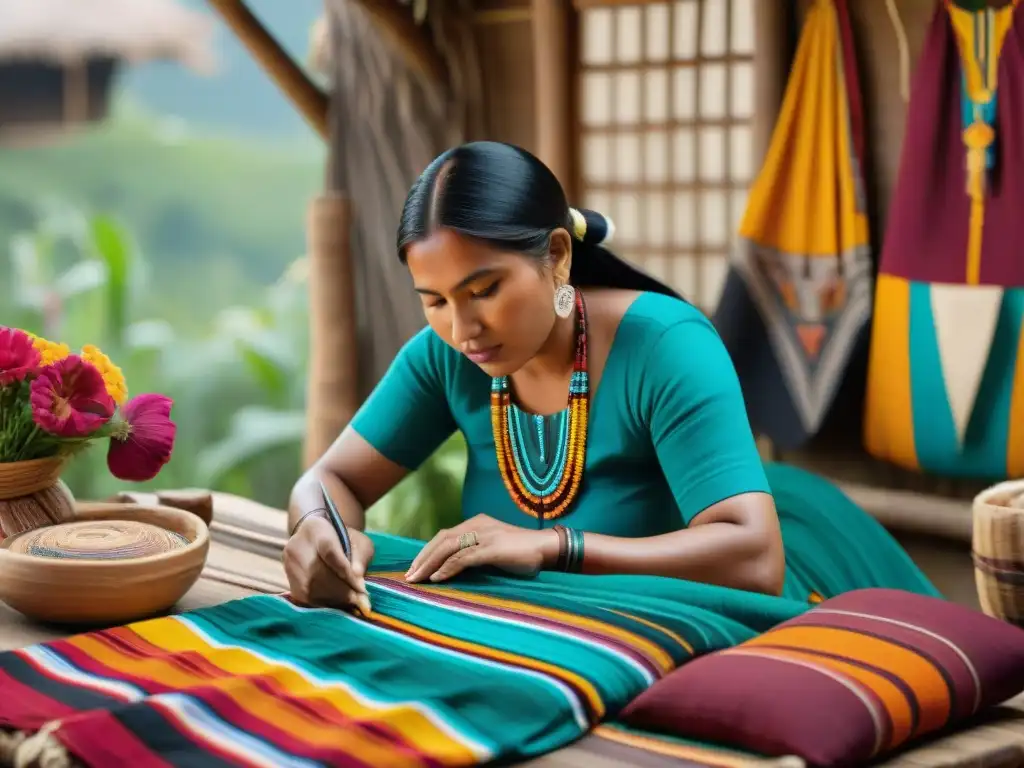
{"x": 319, "y": 573}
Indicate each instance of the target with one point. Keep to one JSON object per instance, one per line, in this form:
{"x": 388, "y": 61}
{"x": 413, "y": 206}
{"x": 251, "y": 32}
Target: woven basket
{"x": 32, "y": 495}
{"x": 998, "y": 550}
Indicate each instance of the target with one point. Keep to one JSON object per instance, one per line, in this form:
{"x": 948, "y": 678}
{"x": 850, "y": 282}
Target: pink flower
{"x": 19, "y": 358}
{"x": 143, "y": 444}
{"x": 69, "y": 398}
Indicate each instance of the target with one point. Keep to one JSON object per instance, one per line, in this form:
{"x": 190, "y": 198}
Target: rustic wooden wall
{"x": 505, "y": 44}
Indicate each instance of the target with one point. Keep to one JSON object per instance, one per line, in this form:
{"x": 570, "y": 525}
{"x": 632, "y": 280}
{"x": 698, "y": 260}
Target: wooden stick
{"x": 289, "y": 77}
{"x": 909, "y": 512}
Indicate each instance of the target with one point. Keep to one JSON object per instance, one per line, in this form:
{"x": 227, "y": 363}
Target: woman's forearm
{"x": 726, "y": 554}
{"x": 307, "y": 496}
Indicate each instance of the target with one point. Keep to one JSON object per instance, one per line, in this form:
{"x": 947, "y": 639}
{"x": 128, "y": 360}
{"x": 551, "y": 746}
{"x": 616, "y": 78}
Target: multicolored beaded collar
{"x": 552, "y": 499}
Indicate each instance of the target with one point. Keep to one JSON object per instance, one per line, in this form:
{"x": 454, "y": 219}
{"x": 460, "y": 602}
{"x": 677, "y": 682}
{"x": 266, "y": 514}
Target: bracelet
{"x": 301, "y": 520}
{"x": 570, "y": 549}
{"x": 563, "y": 547}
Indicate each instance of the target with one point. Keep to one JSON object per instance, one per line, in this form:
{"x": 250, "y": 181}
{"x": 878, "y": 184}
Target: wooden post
{"x": 332, "y": 397}
{"x": 77, "y": 97}
{"x": 333, "y": 375}
{"x": 773, "y": 34}
{"x": 773, "y": 37}
{"x": 552, "y": 74}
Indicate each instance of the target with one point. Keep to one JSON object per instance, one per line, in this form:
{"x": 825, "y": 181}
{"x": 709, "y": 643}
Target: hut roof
{"x": 320, "y": 46}
{"x": 134, "y": 30}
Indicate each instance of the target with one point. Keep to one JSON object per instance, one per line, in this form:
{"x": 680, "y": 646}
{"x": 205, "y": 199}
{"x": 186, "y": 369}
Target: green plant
{"x": 238, "y": 384}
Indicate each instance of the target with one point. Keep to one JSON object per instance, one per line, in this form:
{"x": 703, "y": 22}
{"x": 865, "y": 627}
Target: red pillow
{"x": 856, "y": 676}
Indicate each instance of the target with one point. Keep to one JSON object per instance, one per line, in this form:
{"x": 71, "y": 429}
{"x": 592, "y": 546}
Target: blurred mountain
{"x": 239, "y": 98}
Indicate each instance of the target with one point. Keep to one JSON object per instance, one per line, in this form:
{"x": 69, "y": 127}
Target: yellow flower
{"x": 50, "y": 351}
{"x": 117, "y": 387}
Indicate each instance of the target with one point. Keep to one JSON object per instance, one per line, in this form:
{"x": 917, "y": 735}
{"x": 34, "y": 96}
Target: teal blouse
{"x": 668, "y": 434}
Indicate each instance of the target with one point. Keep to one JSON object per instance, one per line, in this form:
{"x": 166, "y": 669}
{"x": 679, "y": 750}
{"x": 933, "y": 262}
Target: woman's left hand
{"x": 518, "y": 550}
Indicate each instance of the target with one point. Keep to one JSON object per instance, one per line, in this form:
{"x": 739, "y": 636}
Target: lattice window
{"x": 666, "y": 102}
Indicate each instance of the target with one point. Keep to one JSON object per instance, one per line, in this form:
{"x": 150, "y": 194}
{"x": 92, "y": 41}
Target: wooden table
{"x": 245, "y": 559}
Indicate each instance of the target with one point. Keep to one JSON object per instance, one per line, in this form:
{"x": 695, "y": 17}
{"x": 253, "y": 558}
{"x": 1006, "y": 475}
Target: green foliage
{"x": 428, "y": 499}
{"x": 175, "y": 254}
{"x": 190, "y": 199}
{"x": 238, "y": 383}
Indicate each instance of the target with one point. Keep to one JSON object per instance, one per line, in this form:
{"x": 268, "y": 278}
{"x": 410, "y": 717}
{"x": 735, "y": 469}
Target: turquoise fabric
{"x": 668, "y": 431}
{"x": 832, "y": 545}
{"x": 984, "y": 451}
{"x": 668, "y": 437}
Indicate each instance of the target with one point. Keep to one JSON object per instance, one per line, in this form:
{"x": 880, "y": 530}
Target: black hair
{"x": 504, "y": 196}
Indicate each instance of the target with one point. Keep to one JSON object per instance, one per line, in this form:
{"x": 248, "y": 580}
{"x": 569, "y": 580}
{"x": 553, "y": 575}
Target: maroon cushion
{"x": 854, "y": 677}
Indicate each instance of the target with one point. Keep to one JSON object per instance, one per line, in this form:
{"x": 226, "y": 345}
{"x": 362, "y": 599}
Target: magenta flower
{"x": 19, "y": 358}
{"x": 69, "y": 398}
{"x": 143, "y": 443}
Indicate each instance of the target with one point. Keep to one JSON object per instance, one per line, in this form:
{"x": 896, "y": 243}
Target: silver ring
{"x": 469, "y": 539}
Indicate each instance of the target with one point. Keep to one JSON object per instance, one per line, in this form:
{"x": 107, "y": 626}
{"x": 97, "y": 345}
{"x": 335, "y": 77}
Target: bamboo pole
{"x": 552, "y": 72}
{"x": 289, "y": 77}
{"x": 332, "y": 395}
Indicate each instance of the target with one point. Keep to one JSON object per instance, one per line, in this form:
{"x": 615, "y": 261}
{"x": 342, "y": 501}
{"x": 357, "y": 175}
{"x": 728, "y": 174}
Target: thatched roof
{"x": 320, "y": 41}
{"x": 135, "y": 30}
{"x": 320, "y": 46}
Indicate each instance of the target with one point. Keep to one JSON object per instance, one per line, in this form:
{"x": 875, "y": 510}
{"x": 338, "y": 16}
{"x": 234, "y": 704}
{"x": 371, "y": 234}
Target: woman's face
{"x": 495, "y": 307}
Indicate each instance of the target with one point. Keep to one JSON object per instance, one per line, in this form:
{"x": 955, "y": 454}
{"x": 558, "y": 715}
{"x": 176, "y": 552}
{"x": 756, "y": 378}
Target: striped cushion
{"x": 855, "y": 677}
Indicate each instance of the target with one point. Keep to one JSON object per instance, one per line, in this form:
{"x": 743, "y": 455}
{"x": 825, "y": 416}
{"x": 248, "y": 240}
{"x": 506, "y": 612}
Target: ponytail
{"x": 595, "y": 266}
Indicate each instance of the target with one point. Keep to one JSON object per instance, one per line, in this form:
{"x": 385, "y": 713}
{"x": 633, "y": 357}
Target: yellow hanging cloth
{"x": 803, "y": 254}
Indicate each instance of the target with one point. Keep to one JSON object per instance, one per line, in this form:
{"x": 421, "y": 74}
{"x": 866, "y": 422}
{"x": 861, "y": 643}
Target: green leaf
{"x": 110, "y": 244}
{"x": 253, "y": 432}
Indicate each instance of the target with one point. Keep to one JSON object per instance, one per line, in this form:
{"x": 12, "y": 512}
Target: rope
{"x": 903, "y": 47}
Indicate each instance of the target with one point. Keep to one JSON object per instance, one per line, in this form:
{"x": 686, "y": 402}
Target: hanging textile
{"x": 946, "y": 370}
{"x": 798, "y": 297}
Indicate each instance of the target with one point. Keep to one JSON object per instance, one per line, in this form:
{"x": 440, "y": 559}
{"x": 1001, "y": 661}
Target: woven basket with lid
{"x": 998, "y": 550}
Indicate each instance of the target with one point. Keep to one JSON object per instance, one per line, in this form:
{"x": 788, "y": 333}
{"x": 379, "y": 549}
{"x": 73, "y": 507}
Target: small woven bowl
{"x": 998, "y": 550}
{"x": 115, "y": 563}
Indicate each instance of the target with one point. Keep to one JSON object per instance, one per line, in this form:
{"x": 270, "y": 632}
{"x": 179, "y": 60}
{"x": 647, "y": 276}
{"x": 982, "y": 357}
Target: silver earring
{"x": 565, "y": 300}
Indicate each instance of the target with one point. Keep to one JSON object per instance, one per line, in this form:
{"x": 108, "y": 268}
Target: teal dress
{"x": 668, "y": 437}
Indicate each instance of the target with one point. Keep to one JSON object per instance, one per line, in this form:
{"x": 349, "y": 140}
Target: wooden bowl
{"x": 141, "y": 559}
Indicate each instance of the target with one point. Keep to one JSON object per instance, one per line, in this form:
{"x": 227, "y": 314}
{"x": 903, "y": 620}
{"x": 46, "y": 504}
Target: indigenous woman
{"x": 605, "y": 425}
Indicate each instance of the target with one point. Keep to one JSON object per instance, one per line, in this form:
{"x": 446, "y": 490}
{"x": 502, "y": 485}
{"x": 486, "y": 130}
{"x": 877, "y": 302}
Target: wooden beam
{"x": 910, "y": 512}
{"x": 552, "y": 73}
{"x": 289, "y": 76}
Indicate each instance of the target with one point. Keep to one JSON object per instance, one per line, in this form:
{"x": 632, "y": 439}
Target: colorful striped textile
{"x": 488, "y": 668}
{"x": 798, "y": 296}
{"x": 945, "y": 390}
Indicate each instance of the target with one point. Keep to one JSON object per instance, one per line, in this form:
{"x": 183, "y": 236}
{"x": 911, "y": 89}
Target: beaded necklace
{"x": 545, "y": 498}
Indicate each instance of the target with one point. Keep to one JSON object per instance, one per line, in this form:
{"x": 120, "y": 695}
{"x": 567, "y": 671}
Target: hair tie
{"x": 579, "y": 224}
{"x": 591, "y": 227}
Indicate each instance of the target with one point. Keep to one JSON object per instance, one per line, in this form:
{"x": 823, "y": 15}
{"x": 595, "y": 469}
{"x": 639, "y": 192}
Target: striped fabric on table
{"x": 488, "y": 668}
